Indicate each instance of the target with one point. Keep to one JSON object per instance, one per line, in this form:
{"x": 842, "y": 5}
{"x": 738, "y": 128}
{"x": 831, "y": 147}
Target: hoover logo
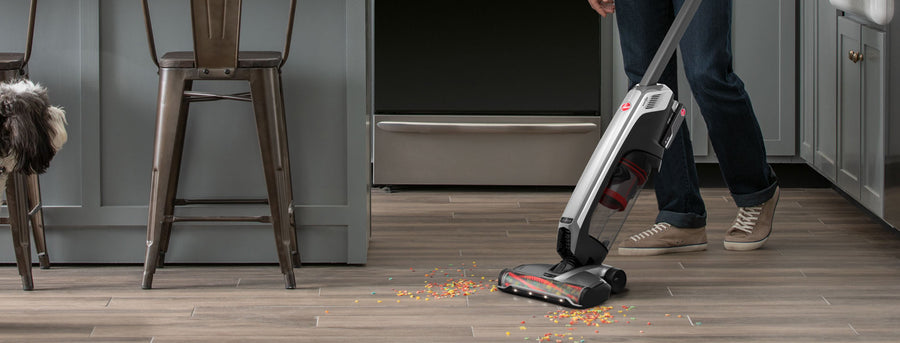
{"x": 626, "y": 106}
{"x": 683, "y": 112}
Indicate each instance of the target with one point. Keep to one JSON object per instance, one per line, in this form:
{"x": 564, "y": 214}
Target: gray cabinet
{"x": 843, "y": 101}
{"x": 764, "y": 49}
{"x": 861, "y": 112}
{"x": 873, "y": 115}
{"x": 92, "y": 55}
{"x": 818, "y": 87}
{"x": 849, "y": 117}
{"x": 826, "y": 103}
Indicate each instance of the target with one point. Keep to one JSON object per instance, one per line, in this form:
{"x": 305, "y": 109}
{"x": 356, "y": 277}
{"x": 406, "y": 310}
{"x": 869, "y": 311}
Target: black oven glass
{"x": 517, "y": 57}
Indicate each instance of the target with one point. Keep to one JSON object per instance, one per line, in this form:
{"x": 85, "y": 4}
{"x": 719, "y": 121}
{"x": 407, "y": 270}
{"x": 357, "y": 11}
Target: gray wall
{"x": 93, "y": 57}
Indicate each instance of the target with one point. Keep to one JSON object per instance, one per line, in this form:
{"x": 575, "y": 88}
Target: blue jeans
{"x": 733, "y": 129}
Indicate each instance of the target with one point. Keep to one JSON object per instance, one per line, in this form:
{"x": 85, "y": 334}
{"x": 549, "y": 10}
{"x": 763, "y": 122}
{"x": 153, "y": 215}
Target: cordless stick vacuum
{"x": 631, "y": 147}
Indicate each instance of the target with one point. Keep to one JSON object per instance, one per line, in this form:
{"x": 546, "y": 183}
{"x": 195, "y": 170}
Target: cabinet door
{"x": 808, "y": 43}
{"x": 873, "y": 114}
{"x": 825, "y": 104}
{"x": 764, "y": 49}
{"x": 849, "y": 161}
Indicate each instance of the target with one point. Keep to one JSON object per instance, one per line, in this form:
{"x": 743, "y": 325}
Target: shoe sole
{"x": 745, "y": 246}
{"x": 660, "y": 251}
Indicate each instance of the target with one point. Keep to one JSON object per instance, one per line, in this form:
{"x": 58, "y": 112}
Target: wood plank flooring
{"x": 828, "y": 274}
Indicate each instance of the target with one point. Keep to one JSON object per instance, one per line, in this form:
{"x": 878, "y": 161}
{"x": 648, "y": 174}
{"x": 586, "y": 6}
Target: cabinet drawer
{"x": 482, "y": 150}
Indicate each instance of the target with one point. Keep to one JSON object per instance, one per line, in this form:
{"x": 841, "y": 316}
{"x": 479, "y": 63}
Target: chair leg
{"x": 36, "y": 214}
{"x": 169, "y": 112}
{"x": 175, "y": 173}
{"x": 16, "y": 200}
{"x": 286, "y": 162}
{"x": 268, "y": 106}
{"x": 295, "y": 246}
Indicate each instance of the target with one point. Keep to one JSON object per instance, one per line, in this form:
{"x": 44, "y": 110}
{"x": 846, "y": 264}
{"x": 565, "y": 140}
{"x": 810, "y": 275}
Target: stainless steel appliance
{"x": 473, "y": 92}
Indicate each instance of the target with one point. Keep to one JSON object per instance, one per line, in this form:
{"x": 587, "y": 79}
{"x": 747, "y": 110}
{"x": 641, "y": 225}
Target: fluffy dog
{"x": 31, "y": 131}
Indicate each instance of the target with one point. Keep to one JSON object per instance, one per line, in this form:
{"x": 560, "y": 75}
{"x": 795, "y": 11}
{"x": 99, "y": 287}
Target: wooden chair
{"x": 216, "y": 56}
{"x": 23, "y": 192}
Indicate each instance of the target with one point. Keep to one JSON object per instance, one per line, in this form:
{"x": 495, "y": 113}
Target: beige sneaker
{"x": 752, "y": 226}
{"x": 663, "y": 238}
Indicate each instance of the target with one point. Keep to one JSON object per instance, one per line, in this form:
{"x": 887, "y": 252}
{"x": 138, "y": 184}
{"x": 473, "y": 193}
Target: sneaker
{"x": 663, "y": 238}
{"x": 752, "y": 226}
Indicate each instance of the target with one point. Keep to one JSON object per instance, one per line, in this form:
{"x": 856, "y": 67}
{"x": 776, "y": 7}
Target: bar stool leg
{"x": 268, "y": 106}
{"x": 37, "y": 219}
{"x": 288, "y": 186}
{"x": 171, "y": 92}
{"x": 175, "y": 176}
{"x": 18, "y": 223}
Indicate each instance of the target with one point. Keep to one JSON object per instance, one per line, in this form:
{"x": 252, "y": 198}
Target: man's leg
{"x": 642, "y": 26}
{"x": 733, "y": 128}
{"x": 682, "y": 215}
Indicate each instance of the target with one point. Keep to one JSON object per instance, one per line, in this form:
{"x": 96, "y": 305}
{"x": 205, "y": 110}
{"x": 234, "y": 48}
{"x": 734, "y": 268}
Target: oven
{"x": 484, "y": 92}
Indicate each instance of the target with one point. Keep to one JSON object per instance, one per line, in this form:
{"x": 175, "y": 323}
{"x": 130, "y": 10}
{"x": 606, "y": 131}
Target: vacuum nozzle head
{"x": 579, "y": 290}
{"x": 538, "y": 287}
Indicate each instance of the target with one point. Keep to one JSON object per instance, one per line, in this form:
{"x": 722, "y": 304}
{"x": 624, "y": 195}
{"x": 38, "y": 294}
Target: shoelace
{"x": 746, "y": 218}
{"x": 656, "y": 228}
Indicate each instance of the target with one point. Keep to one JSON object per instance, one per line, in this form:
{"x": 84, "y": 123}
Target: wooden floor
{"x": 828, "y": 274}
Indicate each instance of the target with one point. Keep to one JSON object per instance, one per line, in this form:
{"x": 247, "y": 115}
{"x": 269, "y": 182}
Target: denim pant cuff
{"x": 756, "y": 198}
{"x": 682, "y": 220}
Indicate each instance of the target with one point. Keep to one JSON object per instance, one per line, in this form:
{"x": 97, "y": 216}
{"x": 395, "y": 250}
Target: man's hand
{"x": 603, "y": 7}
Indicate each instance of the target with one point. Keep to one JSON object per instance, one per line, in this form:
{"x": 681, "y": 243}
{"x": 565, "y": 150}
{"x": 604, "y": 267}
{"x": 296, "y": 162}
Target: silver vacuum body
{"x": 631, "y": 147}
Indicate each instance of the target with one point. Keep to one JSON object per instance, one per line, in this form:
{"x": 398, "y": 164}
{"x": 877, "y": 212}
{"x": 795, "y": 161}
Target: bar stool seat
{"x": 11, "y": 60}
{"x": 246, "y": 59}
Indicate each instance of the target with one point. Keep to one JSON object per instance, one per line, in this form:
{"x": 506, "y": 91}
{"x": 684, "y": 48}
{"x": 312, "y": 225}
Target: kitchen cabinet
{"x": 861, "y": 112}
{"x": 92, "y": 56}
{"x": 874, "y": 116}
{"x": 846, "y": 110}
{"x": 818, "y": 107}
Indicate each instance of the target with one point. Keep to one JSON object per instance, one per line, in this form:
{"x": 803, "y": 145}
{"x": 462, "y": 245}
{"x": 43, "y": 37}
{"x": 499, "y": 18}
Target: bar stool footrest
{"x": 184, "y": 202}
{"x": 257, "y": 219}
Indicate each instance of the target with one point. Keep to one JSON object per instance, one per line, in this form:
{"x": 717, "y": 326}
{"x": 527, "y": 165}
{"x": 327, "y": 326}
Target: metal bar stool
{"x": 216, "y": 31}
{"x": 23, "y": 192}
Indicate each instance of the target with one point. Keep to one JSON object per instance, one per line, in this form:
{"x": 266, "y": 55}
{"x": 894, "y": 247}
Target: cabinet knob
{"x": 855, "y": 56}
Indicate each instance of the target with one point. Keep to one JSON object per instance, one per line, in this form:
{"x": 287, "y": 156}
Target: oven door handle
{"x": 434, "y": 127}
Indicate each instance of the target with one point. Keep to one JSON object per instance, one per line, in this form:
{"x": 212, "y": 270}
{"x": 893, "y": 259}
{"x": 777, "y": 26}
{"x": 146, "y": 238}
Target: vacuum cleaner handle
{"x": 670, "y": 42}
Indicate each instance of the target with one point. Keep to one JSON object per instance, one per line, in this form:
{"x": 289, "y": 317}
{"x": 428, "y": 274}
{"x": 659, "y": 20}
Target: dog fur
{"x": 31, "y": 130}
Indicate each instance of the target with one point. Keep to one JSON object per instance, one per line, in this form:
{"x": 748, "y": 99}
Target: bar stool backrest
{"x": 216, "y": 26}
{"x": 217, "y": 30}
{"x": 29, "y": 36}
{"x": 32, "y": 8}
